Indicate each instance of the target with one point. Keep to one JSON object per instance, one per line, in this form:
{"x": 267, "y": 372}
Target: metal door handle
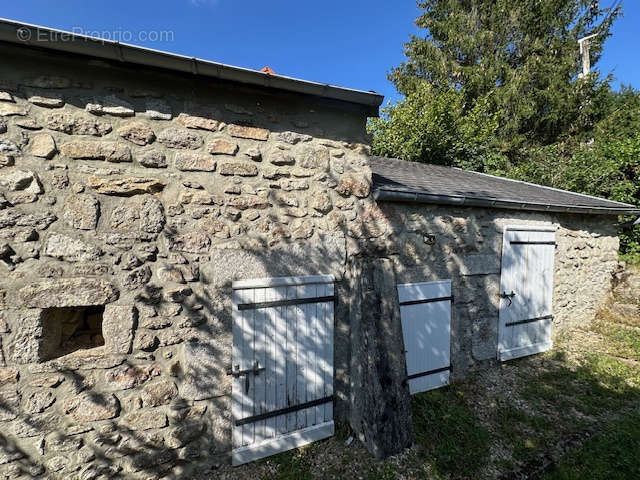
{"x": 256, "y": 369}
{"x": 508, "y": 296}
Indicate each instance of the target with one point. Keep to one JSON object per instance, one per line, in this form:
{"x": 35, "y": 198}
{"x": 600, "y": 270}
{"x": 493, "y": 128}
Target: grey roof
{"x": 59, "y": 40}
{"x": 398, "y": 180}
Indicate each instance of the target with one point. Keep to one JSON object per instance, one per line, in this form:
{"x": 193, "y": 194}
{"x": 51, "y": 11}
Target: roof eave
{"x": 394, "y": 195}
{"x": 67, "y": 42}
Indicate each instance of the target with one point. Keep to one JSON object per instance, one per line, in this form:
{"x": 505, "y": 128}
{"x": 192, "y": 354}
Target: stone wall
{"x": 129, "y": 202}
{"x": 465, "y": 245}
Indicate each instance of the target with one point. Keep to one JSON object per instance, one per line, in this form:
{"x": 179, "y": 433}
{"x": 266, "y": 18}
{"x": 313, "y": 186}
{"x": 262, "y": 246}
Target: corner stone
{"x": 118, "y": 324}
{"x": 204, "y": 377}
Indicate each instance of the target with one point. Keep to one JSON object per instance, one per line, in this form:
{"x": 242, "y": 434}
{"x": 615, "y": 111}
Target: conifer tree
{"x": 491, "y": 78}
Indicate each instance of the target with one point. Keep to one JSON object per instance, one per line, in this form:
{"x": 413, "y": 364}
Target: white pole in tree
{"x": 584, "y": 52}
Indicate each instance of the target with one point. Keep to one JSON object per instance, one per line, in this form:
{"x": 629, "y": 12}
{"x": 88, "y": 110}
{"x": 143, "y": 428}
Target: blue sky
{"x": 350, "y": 43}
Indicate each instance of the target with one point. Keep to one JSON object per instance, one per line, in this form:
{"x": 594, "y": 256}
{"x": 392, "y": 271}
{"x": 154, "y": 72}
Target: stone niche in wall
{"x": 67, "y": 330}
{"x": 56, "y": 318}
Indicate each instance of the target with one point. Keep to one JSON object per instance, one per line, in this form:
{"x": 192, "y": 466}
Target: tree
{"x": 435, "y": 127}
{"x": 608, "y": 165}
{"x": 510, "y": 65}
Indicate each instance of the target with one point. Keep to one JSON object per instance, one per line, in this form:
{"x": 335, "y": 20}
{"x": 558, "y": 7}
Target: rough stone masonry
{"x": 130, "y": 199}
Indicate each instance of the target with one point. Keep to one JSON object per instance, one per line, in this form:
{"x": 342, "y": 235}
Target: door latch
{"x": 236, "y": 372}
{"x": 508, "y": 296}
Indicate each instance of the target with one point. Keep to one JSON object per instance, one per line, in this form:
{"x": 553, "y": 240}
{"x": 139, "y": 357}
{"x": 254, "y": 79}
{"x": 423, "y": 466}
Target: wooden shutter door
{"x": 282, "y": 394}
{"x": 425, "y": 312}
{"x": 526, "y": 291}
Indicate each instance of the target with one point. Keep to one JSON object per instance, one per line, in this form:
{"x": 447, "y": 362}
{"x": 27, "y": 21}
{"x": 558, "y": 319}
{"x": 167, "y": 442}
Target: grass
{"x": 613, "y": 455}
{"x": 624, "y": 340}
{"x": 290, "y": 466}
{"x": 449, "y": 433}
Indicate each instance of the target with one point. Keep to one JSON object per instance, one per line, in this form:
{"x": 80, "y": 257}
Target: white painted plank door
{"x": 282, "y": 394}
{"x": 526, "y": 291}
{"x": 425, "y": 312}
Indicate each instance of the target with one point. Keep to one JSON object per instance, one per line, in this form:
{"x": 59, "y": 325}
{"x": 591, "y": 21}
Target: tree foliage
{"x": 517, "y": 58}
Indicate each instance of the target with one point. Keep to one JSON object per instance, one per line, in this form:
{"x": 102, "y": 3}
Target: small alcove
{"x": 67, "y": 330}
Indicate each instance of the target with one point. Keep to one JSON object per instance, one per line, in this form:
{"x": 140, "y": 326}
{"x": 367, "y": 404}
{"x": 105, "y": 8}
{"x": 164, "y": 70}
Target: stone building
{"x": 200, "y": 259}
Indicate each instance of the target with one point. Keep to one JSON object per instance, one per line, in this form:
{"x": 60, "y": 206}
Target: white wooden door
{"x": 425, "y": 312}
{"x": 282, "y": 394}
{"x": 526, "y": 291}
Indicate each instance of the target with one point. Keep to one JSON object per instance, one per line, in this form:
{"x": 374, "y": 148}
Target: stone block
{"x": 326, "y": 256}
{"x": 158, "y": 109}
{"x": 195, "y": 162}
{"x": 251, "y": 133}
{"x": 204, "y": 370}
{"x": 126, "y": 186}
{"x": 47, "y": 102}
{"x": 130, "y": 376}
{"x": 479, "y": 264}
{"x": 198, "y": 123}
{"x": 145, "y": 420}
{"x": 91, "y": 407}
{"x": 109, "y": 151}
{"x": 159, "y": 393}
{"x": 280, "y": 157}
{"x": 70, "y": 249}
{"x": 12, "y": 109}
{"x": 138, "y": 133}
{"x": 82, "y": 211}
{"x": 294, "y": 137}
{"x": 315, "y": 158}
{"x": 118, "y": 324}
{"x": 68, "y": 292}
{"x": 43, "y": 145}
{"x": 25, "y": 341}
{"x": 153, "y": 159}
{"x": 9, "y": 375}
{"x": 220, "y": 146}
{"x": 173, "y": 137}
{"x": 111, "y": 105}
{"x": 484, "y": 344}
{"x": 193, "y": 242}
{"x": 76, "y": 124}
{"x": 242, "y": 169}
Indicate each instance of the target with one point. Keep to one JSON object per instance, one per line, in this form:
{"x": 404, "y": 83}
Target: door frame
{"x": 444, "y": 289}
{"x": 293, "y": 439}
{"x": 509, "y": 354}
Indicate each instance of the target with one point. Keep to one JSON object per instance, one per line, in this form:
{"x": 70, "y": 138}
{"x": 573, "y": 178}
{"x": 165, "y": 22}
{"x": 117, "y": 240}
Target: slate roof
{"x": 398, "y": 180}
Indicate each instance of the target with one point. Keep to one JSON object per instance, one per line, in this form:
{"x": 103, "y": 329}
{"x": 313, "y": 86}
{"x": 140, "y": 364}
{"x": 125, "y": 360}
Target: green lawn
{"x": 612, "y": 455}
{"x": 449, "y": 433}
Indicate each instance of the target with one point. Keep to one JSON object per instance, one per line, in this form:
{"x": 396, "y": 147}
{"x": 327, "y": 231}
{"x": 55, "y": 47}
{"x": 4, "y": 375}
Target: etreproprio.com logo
{"x": 117, "y": 35}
